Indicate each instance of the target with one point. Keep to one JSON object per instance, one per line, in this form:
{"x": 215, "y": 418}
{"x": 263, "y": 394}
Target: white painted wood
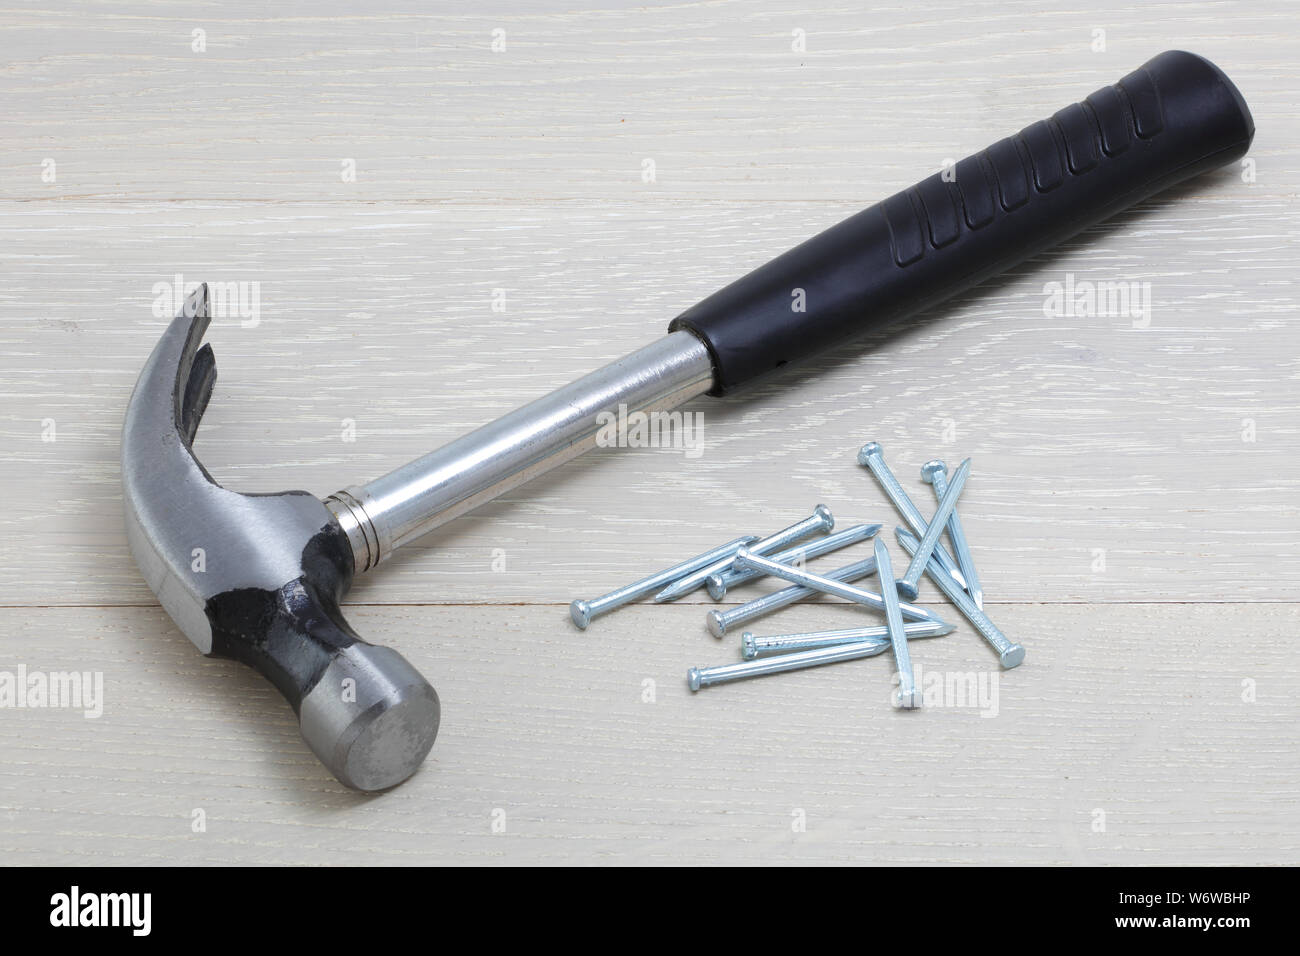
{"x": 714, "y": 93}
{"x": 522, "y": 171}
{"x": 1133, "y": 711}
{"x": 1087, "y": 434}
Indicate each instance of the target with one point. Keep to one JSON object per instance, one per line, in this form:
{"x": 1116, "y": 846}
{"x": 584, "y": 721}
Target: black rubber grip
{"x": 1174, "y": 117}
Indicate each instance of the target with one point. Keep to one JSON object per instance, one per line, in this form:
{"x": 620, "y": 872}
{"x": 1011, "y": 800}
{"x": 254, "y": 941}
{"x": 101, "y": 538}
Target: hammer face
{"x": 258, "y": 578}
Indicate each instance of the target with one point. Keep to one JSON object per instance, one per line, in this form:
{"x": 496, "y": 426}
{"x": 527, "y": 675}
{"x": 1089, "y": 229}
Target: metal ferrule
{"x": 349, "y": 508}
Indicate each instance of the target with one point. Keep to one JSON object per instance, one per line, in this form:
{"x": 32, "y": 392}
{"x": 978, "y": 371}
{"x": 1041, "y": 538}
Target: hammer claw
{"x": 198, "y": 389}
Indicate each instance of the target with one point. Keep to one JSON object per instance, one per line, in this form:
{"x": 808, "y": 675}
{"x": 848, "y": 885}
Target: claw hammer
{"x": 278, "y": 565}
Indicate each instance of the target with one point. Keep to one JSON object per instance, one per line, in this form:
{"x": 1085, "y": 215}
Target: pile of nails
{"x": 749, "y": 557}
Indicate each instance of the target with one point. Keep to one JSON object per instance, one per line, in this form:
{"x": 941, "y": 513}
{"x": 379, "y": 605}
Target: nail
{"x": 698, "y": 677}
{"x": 1010, "y": 654}
{"x": 754, "y": 645}
{"x": 827, "y": 585}
{"x": 907, "y": 697}
{"x": 720, "y": 582}
{"x": 936, "y": 473}
{"x": 720, "y": 621}
{"x": 872, "y": 456}
{"x": 820, "y": 520}
{"x": 907, "y": 584}
{"x": 583, "y": 611}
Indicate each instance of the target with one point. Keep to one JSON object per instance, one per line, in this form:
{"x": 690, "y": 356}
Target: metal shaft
{"x": 936, "y": 473}
{"x": 909, "y": 582}
{"x": 720, "y": 582}
{"x": 827, "y": 585}
{"x": 411, "y": 501}
{"x": 698, "y": 677}
{"x": 907, "y": 695}
{"x": 583, "y": 611}
{"x": 872, "y": 457}
{"x": 720, "y": 621}
{"x": 820, "y": 520}
{"x": 756, "y": 645}
{"x": 1009, "y": 653}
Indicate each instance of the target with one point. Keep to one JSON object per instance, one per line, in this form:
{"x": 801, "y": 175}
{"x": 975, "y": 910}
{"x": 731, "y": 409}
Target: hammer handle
{"x": 1173, "y": 117}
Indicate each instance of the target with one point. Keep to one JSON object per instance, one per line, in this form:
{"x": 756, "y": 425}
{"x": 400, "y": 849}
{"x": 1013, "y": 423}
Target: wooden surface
{"x": 1132, "y": 506}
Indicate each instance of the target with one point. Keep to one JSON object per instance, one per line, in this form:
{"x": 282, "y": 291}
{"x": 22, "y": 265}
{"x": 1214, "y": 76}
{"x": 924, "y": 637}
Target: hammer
{"x": 277, "y": 565}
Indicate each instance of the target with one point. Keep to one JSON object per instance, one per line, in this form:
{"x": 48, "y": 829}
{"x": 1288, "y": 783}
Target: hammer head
{"x": 258, "y": 578}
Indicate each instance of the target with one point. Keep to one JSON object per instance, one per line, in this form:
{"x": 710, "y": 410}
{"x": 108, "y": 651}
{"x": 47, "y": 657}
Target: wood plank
{"x": 1157, "y": 694}
{"x": 1133, "y": 711}
{"x": 718, "y": 98}
{"x": 1088, "y": 435}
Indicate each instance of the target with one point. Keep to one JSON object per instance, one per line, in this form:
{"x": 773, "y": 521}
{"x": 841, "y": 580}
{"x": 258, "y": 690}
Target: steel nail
{"x": 698, "y": 677}
{"x": 935, "y": 472}
{"x": 907, "y": 696}
{"x": 820, "y": 520}
{"x": 872, "y": 457}
{"x": 827, "y": 585}
{"x": 1009, "y": 653}
{"x": 719, "y": 583}
{"x": 720, "y": 621}
{"x": 908, "y": 583}
{"x": 583, "y": 611}
{"x": 755, "y": 645}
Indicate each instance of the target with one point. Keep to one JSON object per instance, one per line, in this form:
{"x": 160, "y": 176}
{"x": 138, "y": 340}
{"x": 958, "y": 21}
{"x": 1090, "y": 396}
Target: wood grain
{"x": 1133, "y": 711}
{"x": 1132, "y": 506}
{"x": 714, "y": 93}
{"x": 1088, "y": 435}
